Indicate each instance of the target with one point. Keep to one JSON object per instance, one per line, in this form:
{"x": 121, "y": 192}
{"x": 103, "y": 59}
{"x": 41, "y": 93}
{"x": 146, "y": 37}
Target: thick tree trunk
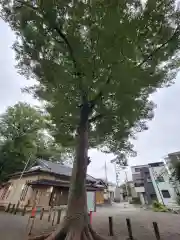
{"x": 76, "y": 221}
{"x": 77, "y": 202}
{"x": 76, "y": 224}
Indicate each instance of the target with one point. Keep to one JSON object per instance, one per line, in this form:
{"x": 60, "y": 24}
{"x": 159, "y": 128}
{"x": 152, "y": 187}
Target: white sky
{"x": 161, "y": 138}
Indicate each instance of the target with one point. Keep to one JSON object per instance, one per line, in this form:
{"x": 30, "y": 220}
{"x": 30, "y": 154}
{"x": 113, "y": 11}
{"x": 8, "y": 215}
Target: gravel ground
{"x": 14, "y": 227}
{"x": 169, "y": 224}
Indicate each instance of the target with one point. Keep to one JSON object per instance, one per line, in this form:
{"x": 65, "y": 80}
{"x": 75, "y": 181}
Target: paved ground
{"x": 14, "y": 227}
{"x": 169, "y": 224}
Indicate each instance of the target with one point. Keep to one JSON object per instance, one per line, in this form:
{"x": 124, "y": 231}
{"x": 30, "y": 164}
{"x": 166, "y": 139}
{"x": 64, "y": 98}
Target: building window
{"x": 149, "y": 179}
{"x": 153, "y": 197}
{"x": 166, "y": 194}
{"x": 9, "y": 190}
{"x": 160, "y": 179}
{"x": 24, "y": 191}
{"x": 4, "y": 193}
{"x": 137, "y": 169}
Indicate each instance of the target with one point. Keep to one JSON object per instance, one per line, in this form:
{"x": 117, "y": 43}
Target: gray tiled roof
{"x": 59, "y": 168}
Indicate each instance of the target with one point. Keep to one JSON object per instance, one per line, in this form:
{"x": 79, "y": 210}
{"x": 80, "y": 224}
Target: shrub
{"x": 159, "y": 207}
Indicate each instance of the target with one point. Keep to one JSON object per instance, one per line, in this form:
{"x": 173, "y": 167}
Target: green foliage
{"x": 23, "y": 136}
{"x": 175, "y": 170}
{"x": 109, "y": 54}
{"x": 159, "y": 207}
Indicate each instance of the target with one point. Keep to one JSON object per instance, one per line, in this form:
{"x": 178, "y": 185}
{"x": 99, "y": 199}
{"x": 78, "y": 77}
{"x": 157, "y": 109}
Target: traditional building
{"x": 45, "y": 184}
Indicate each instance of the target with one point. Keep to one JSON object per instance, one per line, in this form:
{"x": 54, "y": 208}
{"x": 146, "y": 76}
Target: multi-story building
{"x": 170, "y": 160}
{"x": 143, "y": 184}
{"x": 152, "y": 182}
{"x": 161, "y": 181}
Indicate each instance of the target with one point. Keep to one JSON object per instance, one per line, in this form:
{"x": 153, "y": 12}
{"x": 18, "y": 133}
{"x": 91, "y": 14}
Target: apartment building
{"x": 152, "y": 182}
{"x": 143, "y": 184}
{"x": 170, "y": 160}
{"x": 165, "y": 191}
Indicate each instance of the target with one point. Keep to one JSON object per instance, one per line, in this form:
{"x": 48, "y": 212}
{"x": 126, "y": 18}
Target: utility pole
{"x": 105, "y": 168}
{"x": 15, "y": 188}
{"x": 126, "y": 183}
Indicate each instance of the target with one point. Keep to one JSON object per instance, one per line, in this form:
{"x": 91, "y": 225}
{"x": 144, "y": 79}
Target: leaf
{"x": 113, "y": 54}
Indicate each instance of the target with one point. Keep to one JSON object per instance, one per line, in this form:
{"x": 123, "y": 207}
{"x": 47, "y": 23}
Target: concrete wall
{"x": 166, "y": 185}
{"x": 150, "y": 194}
{"x": 133, "y": 191}
{"x": 139, "y": 189}
{"x": 117, "y": 194}
{"x": 143, "y": 184}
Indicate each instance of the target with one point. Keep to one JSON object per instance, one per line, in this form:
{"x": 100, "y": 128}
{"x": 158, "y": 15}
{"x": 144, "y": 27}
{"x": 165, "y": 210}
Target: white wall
{"x": 139, "y": 166}
{"x": 159, "y": 186}
{"x": 139, "y": 189}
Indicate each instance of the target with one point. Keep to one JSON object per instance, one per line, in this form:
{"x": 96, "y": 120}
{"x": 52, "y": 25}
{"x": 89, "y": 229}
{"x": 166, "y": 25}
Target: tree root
{"x": 86, "y": 233}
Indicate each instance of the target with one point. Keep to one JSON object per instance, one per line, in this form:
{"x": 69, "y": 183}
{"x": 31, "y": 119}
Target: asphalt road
{"x": 14, "y": 227}
{"x": 141, "y": 220}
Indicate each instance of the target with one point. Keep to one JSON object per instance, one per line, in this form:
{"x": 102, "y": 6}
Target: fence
{"x": 53, "y": 215}
{"x": 130, "y": 231}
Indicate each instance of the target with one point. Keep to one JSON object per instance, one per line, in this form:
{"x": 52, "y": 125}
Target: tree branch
{"x": 78, "y": 73}
{"x": 100, "y": 93}
{"x": 96, "y": 117}
{"x": 159, "y": 48}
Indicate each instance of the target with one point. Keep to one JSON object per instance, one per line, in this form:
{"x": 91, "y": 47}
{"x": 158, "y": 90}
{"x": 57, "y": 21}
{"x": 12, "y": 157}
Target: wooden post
{"x": 32, "y": 224}
{"x": 17, "y": 207}
{"x": 111, "y": 232}
{"x": 156, "y": 230}
{"x": 53, "y": 217}
{"x": 49, "y": 217}
{"x": 12, "y": 209}
{"x": 90, "y": 217}
{"x": 23, "y": 211}
{"x": 128, "y": 222}
{"x": 8, "y": 207}
{"x": 42, "y": 213}
{"x": 59, "y": 216}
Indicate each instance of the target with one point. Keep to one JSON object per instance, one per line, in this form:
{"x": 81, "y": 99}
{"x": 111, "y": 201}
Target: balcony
{"x": 139, "y": 187}
{"x": 139, "y": 184}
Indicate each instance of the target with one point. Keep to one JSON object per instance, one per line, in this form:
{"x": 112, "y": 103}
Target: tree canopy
{"x": 96, "y": 64}
{"x": 114, "y": 54}
{"x": 24, "y": 135}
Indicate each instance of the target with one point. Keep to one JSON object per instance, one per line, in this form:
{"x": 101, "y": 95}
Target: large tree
{"x": 24, "y": 138}
{"x": 96, "y": 63}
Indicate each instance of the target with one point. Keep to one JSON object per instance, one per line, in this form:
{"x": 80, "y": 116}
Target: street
{"x": 14, "y": 227}
{"x": 141, "y": 223}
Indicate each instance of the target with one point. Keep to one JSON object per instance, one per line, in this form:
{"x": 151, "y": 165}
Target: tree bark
{"x": 77, "y": 200}
{"x": 76, "y": 220}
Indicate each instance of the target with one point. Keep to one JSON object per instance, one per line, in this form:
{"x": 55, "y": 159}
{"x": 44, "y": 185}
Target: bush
{"x": 159, "y": 207}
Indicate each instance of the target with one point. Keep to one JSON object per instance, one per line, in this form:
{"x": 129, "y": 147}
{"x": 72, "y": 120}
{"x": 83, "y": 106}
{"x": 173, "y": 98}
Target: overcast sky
{"x": 162, "y": 137}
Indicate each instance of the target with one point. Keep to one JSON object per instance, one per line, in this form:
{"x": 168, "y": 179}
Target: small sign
{"x": 91, "y": 201}
{"x": 38, "y": 209}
